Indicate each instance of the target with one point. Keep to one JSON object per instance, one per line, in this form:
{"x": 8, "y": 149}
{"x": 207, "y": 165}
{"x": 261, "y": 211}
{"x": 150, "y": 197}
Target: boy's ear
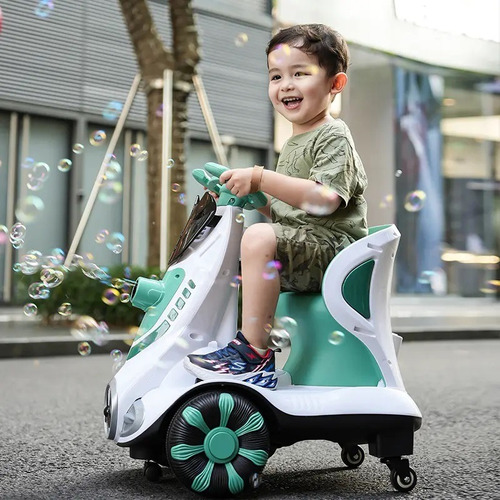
{"x": 339, "y": 81}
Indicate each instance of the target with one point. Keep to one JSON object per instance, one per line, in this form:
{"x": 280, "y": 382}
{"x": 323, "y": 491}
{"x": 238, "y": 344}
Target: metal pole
{"x": 97, "y": 184}
{"x": 209, "y": 120}
{"x": 11, "y": 200}
{"x": 166, "y": 154}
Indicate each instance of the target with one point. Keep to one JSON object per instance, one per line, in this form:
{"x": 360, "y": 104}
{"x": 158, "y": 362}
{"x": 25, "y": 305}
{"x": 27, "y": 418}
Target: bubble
{"x": 17, "y": 244}
{"x": 65, "y": 309}
{"x": 135, "y": 149}
{"x": 87, "y": 328}
{"x": 127, "y": 272}
{"x": 34, "y": 184}
{"x": 319, "y": 201}
{"x": 272, "y": 270}
{"x": 313, "y": 69}
{"x": 153, "y": 277}
{"x": 115, "y": 242}
{"x": 240, "y": 218}
{"x": 118, "y": 283}
{"x": 97, "y": 138}
{"x": 30, "y": 309}
{"x": 38, "y": 290}
{"x": 386, "y": 201}
{"x": 235, "y": 281}
{"x": 286, "y": 323}
{"x": 29, "y": 208}
{"x": 268, "y": 327}
{"x": 159, "y": 111}
{"x": 101, "y": 236}
{"x": 44, "y": 8}
{"x": 84, "y": 349}
{"x": 4, "y": 234}
{"x": 78, "y": 148}
{"x": 112, "y": 110}
{"x": 182, "y": 198}
{"x": 398, "y": 173}
{"x": 110, "y": 296}
{"x": 170, "y": 163}
{"x": 279, "y": 337}
{"x": 116, "y": 355}
{"x": 51, "y": 277}
{"x": 113, "y": 170}
{"x": 143, "y": 155}
{"x": 28, "y": 162}
{"x": 336, "y": 337}
{"x": 31, "y": 262}
{"x": 17, "y": 267}
{"x": 40, "y": 171}
{"x": 176, "y": 187}
{"x": 124, "y": 298}
{"x": 490, "y": 287}
{"x": 17, "y": 232}
{"x": 110, "y": 192}
{"x": 58, "y": 255}
{"x": 241, "y": 39}
{"x": 64, "y": 165}
{"x": 414, "y": 201}
{"x": 279, "y": 53}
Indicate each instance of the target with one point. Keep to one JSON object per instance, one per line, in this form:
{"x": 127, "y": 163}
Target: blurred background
{"x": 422, "y": 102}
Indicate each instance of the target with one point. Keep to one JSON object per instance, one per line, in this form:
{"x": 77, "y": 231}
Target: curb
{"x": 29, "y": 347}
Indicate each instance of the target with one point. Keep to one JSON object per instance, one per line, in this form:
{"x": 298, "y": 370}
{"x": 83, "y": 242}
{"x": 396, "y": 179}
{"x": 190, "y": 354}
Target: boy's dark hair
{"x": 319, "y": 40}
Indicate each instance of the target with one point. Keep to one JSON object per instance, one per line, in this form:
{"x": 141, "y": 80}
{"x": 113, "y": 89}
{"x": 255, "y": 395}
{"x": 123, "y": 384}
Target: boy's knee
{"x": 258, "y": 239}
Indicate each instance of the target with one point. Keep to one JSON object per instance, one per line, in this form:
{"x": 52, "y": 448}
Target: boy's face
{"x": 299, "y": 88}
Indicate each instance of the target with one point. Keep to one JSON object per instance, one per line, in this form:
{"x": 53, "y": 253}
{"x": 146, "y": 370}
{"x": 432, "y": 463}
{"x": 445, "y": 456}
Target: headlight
{"x": 133, "y": 419}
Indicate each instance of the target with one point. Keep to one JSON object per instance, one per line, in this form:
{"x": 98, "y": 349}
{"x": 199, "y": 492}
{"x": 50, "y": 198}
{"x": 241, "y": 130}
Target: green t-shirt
{"x": 326, "y": 155}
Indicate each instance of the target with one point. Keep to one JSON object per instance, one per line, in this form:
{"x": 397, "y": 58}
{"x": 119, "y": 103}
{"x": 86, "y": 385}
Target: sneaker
{"x": 239, "y": 360}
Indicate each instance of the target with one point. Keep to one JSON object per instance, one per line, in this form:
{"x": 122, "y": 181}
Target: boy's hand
{"x": 238, "y": 180}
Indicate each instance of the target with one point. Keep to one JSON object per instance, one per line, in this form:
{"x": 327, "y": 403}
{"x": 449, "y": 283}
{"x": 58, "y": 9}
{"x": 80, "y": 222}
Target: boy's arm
{"x": 298, "y": 192}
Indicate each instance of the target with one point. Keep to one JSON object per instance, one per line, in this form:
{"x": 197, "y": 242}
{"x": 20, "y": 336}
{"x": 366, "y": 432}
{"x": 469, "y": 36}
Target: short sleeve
{"x": 334, "y": 165}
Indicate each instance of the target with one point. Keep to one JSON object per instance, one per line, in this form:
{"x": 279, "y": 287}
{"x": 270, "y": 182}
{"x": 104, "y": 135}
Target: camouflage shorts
{"x": 304, "y": 258}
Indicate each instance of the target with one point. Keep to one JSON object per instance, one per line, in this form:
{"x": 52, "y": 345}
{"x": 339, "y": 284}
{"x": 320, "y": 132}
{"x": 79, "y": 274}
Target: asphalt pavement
{"x": 53, "y": 445}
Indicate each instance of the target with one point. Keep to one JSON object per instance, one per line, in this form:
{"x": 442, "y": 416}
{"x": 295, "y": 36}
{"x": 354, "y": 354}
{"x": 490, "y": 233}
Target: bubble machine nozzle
{"x": 147, "y": 293}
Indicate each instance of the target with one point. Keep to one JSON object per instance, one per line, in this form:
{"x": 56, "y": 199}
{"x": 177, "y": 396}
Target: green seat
{"x": 323, "y": 352}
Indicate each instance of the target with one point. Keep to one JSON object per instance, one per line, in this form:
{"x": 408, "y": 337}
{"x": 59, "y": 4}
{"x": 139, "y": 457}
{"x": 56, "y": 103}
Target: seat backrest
{"x": 356, "y": 290}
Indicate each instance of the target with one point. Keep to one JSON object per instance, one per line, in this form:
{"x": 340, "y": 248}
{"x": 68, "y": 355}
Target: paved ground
{"x": 53, "y": 445}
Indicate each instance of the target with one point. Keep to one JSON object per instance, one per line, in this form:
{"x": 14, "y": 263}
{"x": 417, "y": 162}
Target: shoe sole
{"x": 203, "y": 374}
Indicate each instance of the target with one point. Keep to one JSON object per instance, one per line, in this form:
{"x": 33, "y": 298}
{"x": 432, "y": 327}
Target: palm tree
{"x": 153, "y": 58}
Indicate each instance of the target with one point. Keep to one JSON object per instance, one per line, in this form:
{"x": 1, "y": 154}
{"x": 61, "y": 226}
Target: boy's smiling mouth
{"x": 291, "y": 102}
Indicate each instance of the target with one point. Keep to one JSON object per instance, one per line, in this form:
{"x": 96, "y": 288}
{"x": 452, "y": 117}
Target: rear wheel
{"x": 218, "y": 444}
{"x": 352, "y": 456}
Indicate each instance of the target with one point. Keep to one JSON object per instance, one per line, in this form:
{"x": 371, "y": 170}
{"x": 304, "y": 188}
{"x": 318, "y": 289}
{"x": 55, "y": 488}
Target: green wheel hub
{"x": 221, "y": 445}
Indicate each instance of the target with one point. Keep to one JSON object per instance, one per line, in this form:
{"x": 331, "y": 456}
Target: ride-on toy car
{"x": 341, "y": 381}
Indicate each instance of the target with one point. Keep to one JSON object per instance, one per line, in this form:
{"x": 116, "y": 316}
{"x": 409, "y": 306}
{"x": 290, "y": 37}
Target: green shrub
{"x": 85, "y": 296}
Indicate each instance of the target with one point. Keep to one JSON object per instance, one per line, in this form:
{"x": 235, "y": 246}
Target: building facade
{"x": 66, "y": 69}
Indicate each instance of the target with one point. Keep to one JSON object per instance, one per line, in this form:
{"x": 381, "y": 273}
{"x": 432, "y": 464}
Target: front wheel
{"x": 218, "y": 444}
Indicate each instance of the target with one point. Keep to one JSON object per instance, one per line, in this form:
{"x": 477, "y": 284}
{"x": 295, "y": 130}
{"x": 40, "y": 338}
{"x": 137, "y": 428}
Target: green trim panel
{"x": 356, "y": 288}
{"x": 317, "y": 357}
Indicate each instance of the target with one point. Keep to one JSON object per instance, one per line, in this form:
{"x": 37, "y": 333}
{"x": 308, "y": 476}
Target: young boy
{"x": 318, "y": 168}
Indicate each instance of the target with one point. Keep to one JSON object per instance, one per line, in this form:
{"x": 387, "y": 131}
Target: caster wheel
{"x": 404, "y": 482}
{"x": 353, "y": 456}
{"x": 152, "y": 471}
{"x": 218, "y": 444}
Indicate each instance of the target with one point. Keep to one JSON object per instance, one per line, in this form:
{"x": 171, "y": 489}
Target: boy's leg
{"x": 260, "y": 295}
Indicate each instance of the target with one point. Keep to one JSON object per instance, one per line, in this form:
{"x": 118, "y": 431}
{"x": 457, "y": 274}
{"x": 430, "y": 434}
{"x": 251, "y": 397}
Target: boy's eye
{"x": 275, "y": 77}
{"x": 300, "y": 73}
